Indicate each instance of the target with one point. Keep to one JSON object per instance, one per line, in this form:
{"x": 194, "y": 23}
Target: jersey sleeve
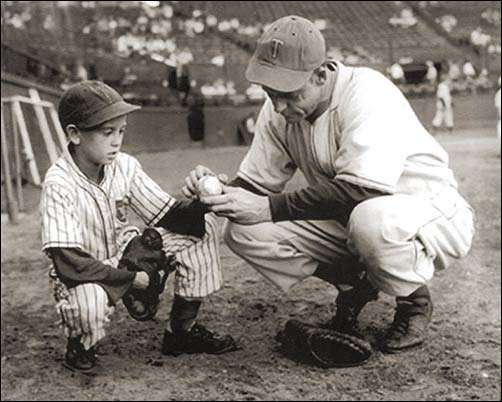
{"x": 61, "y": 225}
{"x": 148, "y": 200}
{"x": 374, "y": 144}
{"x": 267, "y": 165}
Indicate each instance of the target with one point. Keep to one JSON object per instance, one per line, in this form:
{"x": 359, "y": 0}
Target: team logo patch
{"x": 275, "y": 49}
{"x": 122, "y": 210}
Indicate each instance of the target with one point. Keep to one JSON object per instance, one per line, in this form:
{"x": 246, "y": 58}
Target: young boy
{"x": 84, "y": 207}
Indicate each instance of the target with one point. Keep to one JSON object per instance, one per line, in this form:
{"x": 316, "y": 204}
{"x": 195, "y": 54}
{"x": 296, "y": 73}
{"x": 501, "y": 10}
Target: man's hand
{"x": 141, "y": 280}
{"x": 240, "y": 206}
{"x": 190, "y": 188}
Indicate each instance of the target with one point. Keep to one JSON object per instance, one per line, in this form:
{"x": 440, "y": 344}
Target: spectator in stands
{"x": 454, "y": 71}
{"x": 183, "y": 82}
{"x": 245, "y": 129}
{"x": 80, "y": 70}
{"x": 469, "y": 75}
{"x": 406, "y": 19}
{"x": 497, "y": 106}
{"x": 255, "y": 93}
{"x": 195, "y": 118}
{"x": 380, "y": 211}
{"x": 432, "y": 73}
{"x": 397, "y": 73}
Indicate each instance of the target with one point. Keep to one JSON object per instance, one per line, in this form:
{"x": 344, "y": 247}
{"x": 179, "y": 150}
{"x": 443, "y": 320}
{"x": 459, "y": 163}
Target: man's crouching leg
{"x": 397, "y": 264}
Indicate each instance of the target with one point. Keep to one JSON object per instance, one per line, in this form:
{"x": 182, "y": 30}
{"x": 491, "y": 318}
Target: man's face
{"x": 298, "y": 105}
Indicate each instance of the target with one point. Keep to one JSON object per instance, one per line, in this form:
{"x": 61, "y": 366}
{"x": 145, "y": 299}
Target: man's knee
{"x": 365, "y": 228}
{"x": 235, "y": 237}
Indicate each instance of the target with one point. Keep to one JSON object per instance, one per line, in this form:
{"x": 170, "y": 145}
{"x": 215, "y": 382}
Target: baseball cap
{"x": 90, "y": 103}
{"x": 286, "y": 54}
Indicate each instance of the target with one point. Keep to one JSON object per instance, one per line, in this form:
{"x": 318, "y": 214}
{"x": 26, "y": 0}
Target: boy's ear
{"x": 73, "y": 134}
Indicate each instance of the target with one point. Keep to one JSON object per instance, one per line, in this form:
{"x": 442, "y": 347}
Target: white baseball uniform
{"x": 444, "y": 107}
{"x": 78, "y": 213}
{"x": 497, "y": 106}
{"x": 368, "y": 136}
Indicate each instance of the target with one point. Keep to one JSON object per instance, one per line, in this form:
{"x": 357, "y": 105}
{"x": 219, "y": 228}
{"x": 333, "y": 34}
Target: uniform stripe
{"x": 78, "y": 213}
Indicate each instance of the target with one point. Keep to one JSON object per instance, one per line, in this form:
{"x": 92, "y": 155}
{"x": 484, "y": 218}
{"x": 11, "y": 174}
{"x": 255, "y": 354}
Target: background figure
{"x": 183, "y": 83}
{"x": 195, "y": 119}
{"x": 497, "y": 105}
{"x": 469, "y": 74}
{"x": 444, "y": 106}
{"x": 245, "y": 129}
{"x": 432, "y": 73}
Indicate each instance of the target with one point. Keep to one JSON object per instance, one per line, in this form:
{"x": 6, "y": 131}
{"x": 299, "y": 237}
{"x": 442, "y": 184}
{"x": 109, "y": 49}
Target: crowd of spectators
{"x": 129, "y": 29}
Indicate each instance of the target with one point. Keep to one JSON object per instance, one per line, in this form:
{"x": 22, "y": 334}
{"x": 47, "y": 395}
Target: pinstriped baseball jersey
{"x": 368, "y": 136}
{"x": 78, "y": 213}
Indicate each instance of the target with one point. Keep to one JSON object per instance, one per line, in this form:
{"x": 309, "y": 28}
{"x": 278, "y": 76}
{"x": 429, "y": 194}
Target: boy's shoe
{"x": 77, "y": 358}
{"x": 198, "y": 340}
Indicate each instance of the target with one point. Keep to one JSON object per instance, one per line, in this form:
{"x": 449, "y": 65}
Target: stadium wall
{"x": 153, "y": 129}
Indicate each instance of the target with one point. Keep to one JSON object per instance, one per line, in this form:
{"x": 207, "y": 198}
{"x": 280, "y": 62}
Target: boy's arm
{"x": 157, "y": 208}
{"x": 185, "y": 217}
{"x": 76, "y": 267}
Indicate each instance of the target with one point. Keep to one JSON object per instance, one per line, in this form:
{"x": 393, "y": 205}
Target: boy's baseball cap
{"x": 286, "y": 54}
{"x": 91, "y": 103}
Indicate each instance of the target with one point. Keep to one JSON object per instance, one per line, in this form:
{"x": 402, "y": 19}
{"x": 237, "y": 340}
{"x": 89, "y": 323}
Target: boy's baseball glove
{"x": 144, "y": 253}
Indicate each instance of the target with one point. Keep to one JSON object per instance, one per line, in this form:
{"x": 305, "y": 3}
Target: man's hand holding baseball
{"x": 240, "y": 206}
{"x": 189, "y": 190}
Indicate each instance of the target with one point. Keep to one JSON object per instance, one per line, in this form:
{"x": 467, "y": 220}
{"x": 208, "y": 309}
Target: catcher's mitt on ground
{"x": 322, "y": 347}
{"x": 144, "y": 253}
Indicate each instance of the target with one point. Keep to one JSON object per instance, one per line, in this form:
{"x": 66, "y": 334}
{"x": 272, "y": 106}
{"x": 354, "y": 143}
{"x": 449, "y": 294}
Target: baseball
{"x": 209, "y": 185}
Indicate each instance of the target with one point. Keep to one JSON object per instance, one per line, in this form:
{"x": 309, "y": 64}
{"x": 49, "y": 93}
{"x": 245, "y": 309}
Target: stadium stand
{"x": 139, "y": 48}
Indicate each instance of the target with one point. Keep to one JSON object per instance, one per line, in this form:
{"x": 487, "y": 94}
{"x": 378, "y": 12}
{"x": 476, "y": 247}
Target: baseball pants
{"x": 400, "y": 239}
{"x": 443, "y": 115}
{"x": 85, "y": 308}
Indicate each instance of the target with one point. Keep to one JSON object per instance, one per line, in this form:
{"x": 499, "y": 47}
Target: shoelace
{"x": 404, "y": 312}
{"x": 204, "y": 333}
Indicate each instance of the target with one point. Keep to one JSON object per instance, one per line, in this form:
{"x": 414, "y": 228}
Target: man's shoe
{"x": 411, "y": 320}
{"x": 350, "y": 303}
{"x": 197, "y": 340}
{"x": 77, "y": 358}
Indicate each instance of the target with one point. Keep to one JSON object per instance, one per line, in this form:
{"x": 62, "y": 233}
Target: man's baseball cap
{"x": 91, "y": 103}
{"x": 286, "y": 54}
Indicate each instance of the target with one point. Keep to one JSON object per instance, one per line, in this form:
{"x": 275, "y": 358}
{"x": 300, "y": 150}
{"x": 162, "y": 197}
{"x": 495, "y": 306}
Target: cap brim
{"x": 276, "y": 78}
{"x": 108, "y": 113}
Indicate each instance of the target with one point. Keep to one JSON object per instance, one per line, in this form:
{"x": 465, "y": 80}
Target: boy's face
{"x": 101, "y": 145}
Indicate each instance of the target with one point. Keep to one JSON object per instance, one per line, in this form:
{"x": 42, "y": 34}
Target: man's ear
{"x": 320, "y": 76}
{"x": 73, "y": 134}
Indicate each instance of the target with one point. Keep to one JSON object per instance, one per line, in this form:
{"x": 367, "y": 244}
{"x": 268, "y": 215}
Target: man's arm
{"x": 329, "y": 200}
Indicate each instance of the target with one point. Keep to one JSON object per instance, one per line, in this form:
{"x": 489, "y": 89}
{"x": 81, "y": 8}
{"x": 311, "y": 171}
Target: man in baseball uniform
{"x": 86, "y": 198}
{"x": 381, "y": 210}
{"x": 444, "y": 105}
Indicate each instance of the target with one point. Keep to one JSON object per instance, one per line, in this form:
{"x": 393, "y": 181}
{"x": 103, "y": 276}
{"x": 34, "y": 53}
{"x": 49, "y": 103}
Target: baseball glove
{"x": 144, "y": 253}
{"x": 325, "y": 348}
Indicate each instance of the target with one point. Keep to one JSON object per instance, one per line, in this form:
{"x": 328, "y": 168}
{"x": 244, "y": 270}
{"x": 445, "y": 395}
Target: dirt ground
{"x": 460, "y": 361}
